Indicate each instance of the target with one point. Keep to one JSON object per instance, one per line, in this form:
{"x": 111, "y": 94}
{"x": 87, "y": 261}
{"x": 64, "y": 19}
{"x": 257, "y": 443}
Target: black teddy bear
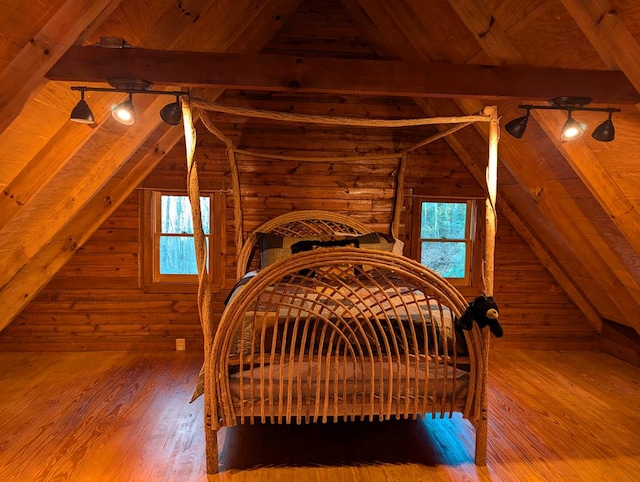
{"x": 485, "y": 311}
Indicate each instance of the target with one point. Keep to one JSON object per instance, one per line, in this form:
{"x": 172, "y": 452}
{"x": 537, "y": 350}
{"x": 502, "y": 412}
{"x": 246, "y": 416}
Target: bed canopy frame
{"x": 488, "y": 114}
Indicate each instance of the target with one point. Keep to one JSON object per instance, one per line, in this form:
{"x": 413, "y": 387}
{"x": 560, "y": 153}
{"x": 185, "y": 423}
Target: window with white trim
{"x": 444, "y": 232}
{"x": 170, "y": 259}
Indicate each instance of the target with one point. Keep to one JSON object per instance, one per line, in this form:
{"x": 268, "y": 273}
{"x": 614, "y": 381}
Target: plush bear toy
{"x": 485, "y": 311}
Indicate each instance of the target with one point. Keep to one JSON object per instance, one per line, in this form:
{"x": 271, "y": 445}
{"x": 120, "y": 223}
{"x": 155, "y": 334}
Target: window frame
{"x": 470, "y": 239}
{"x": 153, "y": 280}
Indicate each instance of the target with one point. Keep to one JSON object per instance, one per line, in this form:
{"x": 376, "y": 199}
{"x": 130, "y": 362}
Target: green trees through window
{"x": 445, "y": 237}
{"x": 176, "y": 240}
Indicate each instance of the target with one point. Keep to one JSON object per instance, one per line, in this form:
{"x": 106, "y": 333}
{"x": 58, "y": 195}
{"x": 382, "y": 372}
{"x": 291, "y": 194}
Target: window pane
{"x": 178, "y": 256}
{"x": 446, "y": 259}
{"x": 176, "y": 214}
{"x": 443, "y": 220}
{"x": 205, "y": 212}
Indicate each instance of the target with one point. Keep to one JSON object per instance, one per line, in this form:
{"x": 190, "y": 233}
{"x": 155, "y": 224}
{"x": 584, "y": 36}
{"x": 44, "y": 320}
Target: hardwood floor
{"x": 119, "y": 416}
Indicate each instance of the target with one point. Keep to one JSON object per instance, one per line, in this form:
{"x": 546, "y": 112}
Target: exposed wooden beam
{"x": 59, "y": 250}
{"x": 25, "y": 74}
{"x": 554, "y": 205}
{"x": 345, "y": 76}
{"x": 49, "y": 160}
{"x": 20, "y": 245}
{"x": 599, "y": 181}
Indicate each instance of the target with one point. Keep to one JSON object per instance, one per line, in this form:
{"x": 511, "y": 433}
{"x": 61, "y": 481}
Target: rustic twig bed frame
{"x": 339, "y": 333}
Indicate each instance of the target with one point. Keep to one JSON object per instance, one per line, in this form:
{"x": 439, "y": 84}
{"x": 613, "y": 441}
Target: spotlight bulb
{"x": 571, "y": 130}
{"x": 124, "y": 113}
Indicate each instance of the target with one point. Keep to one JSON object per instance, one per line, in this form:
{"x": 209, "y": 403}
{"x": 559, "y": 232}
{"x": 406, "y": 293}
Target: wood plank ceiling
{"x": 576, "y": 204}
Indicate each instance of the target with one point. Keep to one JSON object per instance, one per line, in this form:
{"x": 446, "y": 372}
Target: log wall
{"x": 98, "y": 302}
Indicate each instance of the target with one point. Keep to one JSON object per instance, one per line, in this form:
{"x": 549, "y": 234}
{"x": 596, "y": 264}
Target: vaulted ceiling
{"x": 575, "y": 203}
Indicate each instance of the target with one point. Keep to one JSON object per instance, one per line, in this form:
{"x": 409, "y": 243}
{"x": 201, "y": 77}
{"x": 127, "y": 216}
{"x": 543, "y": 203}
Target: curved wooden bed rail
{"x": 311, "y": 286}
{"x": 299, "y": 224}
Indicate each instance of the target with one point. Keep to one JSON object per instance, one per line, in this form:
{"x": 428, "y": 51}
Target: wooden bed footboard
{"x": 344, "y": 333}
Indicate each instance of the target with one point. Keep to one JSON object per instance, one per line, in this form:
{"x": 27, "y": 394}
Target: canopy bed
{"x": 334, "y": 323}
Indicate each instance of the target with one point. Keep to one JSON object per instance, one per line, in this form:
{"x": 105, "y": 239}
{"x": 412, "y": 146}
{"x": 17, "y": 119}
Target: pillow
{"x": 274, "y": 247}
{"x": 379, "y": 241}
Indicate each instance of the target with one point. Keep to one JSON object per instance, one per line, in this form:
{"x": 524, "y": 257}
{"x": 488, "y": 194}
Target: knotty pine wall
{"x": 97, "y": 301}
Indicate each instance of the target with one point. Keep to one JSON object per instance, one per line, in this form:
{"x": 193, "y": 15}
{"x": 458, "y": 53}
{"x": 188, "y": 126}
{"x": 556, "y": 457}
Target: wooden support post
{"x": 490, "y": 202}
{"x": 235, "y": 176}
{"x": 204, "y": 285}
{"x": 237, "y": 198}
{"x": 488, "y": 275}
{"x": 398, "y": 202}
{"x": 211, "y": 438}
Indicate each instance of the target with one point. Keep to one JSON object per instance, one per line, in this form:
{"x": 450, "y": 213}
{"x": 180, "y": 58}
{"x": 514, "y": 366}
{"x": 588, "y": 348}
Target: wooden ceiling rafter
{"x": 597, "y": 179}
{"x": 607, "y": 33}
{"x": 388, "y": 29}
{"x": 35, "y": 269}
{"x": 19, "y": 246}
{"x": 29, "y": 263}
{"x": 24, "y": 76}
{"x": 627, "y": 304}
{"x": 62, "y": 247}
{"x": 525, "y": 232}
{"x": 602, "y": 26}
{"x": 44, "y": 166}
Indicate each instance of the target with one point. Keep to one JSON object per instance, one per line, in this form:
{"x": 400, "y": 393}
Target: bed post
{"x": 237, "y": 198}
{"x": 487, "y": 275}
{"x": 399, "y": 199}
{"x": 210, "y": 437}
{"x": 204, "y": 286}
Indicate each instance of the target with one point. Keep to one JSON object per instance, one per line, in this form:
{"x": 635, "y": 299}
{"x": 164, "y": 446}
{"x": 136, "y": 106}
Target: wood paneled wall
{"x": 97, "y": 301}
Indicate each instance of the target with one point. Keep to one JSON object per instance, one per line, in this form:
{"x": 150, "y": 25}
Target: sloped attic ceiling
{"x": 576, "y": 204}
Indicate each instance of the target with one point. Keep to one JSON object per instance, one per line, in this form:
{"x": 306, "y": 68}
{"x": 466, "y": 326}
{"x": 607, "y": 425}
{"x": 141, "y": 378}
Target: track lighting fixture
{"x": 516, "y": 127}
{"x": 172, "y": 113}
{"x": 81, "y": 112}
{"x": 125, "y": 112}
{"x": 572, "y": 129}
{"x": 605, "y": 132}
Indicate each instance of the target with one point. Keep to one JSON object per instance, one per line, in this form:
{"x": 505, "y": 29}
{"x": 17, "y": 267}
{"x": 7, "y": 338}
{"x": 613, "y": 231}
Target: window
{"x": 443, "y": 233}
{"x": 170, "y": 259}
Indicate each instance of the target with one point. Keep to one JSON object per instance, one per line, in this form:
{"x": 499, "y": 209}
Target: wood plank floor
{"x": 116, "y": 416}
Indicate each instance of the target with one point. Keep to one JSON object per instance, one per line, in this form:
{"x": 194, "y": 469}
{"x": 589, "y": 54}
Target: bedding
{"x": 380, "y": 302}
{"x": 346, "y": 331}
{"x": 274, "y": 247}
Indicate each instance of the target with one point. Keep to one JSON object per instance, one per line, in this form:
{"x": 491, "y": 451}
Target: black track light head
{"x": 81, "y": 113}
{"x": 572, "y": 129}
{"x": 172, "y": 113}
{"x": 516, "y": 127}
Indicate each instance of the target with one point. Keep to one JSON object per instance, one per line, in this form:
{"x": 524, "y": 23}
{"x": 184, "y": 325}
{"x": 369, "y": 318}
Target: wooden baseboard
{"x": 70, "y": 344}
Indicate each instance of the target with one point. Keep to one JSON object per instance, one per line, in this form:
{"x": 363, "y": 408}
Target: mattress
{"x": 349, "y": 382}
